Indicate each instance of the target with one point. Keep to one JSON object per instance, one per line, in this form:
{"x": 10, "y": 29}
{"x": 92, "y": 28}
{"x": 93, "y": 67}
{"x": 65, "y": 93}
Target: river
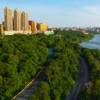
{"x": 93, "y": 43}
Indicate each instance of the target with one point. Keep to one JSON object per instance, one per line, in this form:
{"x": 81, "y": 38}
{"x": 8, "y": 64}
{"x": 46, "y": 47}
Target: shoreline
{"x": 92, "y": 46}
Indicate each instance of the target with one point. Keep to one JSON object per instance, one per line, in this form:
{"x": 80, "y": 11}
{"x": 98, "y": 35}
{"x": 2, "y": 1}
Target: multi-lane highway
{"x": 82, "y": 78}
{"x": 29, "y": 89}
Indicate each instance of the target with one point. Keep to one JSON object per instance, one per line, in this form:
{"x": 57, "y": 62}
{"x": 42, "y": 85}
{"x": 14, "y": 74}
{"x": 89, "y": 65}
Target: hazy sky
{"x": 79, "y": 13}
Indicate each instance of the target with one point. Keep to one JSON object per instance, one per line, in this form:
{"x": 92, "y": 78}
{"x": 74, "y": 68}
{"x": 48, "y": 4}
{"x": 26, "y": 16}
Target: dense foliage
{"x": 73, "y": 36}
{"x": 21, "y": 57}
{"x": 62, "y": 69}
{"x": 93, "y": 60}
{"x": 61, "y": 72}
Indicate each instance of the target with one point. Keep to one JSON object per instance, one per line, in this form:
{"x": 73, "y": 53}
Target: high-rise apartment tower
{"x": 8, "y": 19}
{"x": 24, "y": 21}
{"x": 17, "y": 20}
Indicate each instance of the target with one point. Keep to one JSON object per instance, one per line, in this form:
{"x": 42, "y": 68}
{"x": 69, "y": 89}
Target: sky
{"x": 58, "y": 13}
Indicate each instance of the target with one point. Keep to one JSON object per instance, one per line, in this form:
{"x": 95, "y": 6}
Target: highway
{"x": 29, "y": 89}
{"x": 82, "y": 78}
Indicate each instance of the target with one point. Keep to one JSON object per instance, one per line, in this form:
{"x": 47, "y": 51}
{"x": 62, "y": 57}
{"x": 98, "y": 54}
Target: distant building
{"x": 17, "y": 20}
{"x": 42, "y": 27}
{"x": 83, "y": 31}
{"x": 49, "y": 32}
{"x": 1, "y": 29}
{"x": 33, "y": 26}
{"x": 29, "y": 27}
{"x": 8, "y": 19}
{"x": 17, "y": 32}
{"x": 24, "y": 22}
{"x": 19, "y": 24}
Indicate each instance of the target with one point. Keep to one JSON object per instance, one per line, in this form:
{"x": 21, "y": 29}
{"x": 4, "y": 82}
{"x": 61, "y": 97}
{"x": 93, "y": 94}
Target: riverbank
{"x": 93, "y": 43}
{"x": 92, "y": 57}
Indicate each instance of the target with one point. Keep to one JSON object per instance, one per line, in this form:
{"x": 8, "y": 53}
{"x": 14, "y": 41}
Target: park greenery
{"x": 62, "y": 69}
{"x": 23, "y": 56}
{"x": 92, "y": 58}
{"x": 60, "y": 72}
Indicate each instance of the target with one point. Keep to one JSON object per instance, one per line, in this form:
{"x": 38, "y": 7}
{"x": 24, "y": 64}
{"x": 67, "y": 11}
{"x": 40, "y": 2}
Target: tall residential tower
{"x": 8, "y": 19}
{"x": 17, "y": 20}
{"x": 24, "y": 22}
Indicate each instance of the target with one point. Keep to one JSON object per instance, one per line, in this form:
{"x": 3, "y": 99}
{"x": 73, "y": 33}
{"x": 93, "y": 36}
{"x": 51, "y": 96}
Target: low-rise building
{"x": 33, "y": 26}
{"x": 16, "y": 32}
{"x": 1, "y": 29}
{"x": 49, "y": 32}
{"x": 83, "y": 31}
{"x": 42, "y": 27}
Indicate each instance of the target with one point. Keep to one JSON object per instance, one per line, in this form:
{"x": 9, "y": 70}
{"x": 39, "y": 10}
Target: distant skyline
{"x": 60, "y": 13}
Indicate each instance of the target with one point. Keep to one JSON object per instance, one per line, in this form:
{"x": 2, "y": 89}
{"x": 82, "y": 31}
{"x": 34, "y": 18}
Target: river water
{"x": 92, "y": 44}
